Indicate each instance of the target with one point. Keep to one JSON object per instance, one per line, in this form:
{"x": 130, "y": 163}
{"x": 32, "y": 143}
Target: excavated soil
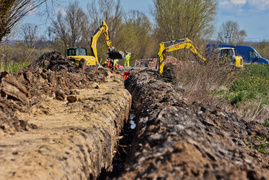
{"x": 177, "y": 140}
{"x": 63, "y": 121}
{"x": 59, "y": 120}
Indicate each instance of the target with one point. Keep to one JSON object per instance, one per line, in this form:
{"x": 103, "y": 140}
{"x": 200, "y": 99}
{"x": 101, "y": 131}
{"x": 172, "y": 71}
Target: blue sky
{"x": 251, "y": 15}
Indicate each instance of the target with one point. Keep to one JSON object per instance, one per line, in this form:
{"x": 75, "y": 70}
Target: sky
{"x": 251, "y": 15}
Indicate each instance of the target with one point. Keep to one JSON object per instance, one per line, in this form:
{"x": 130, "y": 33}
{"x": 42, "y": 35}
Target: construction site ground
{"x": 59, "y": 120}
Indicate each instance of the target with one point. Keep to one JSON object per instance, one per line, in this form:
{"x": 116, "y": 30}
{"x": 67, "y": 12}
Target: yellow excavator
{"x": 180, "y": 44}
{"x": 78, "y": 53}
{"x": 188, "y": 44}
{"x": 112, "y": 53}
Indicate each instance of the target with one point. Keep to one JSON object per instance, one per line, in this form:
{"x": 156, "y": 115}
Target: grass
{"x": 249, "y": 91}
{"x": 266, "y": 124}
{"x": 13, "y": 68}
{"x": 261, "y": 144}
{"x": 197, "y": 79}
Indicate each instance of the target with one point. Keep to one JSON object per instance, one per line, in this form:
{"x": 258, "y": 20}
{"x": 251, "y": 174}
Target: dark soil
{"x": 179, "y": 140}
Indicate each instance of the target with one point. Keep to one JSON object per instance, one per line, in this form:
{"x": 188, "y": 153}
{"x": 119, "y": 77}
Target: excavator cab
{"x": 78, "y": 51}
{"x": 76, "y": 54}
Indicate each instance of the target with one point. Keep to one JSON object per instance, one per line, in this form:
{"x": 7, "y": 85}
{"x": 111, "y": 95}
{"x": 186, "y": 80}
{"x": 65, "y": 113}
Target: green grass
{"x": 261, "y": 144}
{"x": 13, "y": 68}
{"x": 266, "y": 124}
{"x": 251, "y": 85}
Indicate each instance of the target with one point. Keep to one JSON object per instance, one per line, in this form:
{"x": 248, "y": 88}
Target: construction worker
{"x": 110, "y": 62}
{"x": 127, "y": 56}
{"x": 115, "y": 63}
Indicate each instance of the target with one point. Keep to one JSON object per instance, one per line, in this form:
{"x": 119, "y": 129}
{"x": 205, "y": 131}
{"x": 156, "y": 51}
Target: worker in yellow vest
{"x": 127, "y": 57}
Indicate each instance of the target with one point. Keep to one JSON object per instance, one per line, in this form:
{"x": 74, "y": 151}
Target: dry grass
{"x": 197, "y": 79}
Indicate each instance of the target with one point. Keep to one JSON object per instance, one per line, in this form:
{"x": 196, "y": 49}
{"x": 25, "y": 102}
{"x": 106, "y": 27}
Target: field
{"x": 249, "y": 91}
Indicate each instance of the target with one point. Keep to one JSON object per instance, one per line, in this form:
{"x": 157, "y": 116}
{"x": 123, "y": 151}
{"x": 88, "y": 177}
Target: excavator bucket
{"x": 116, "y": 55}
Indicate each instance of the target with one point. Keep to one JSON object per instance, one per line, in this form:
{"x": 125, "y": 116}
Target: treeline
{"x": 132, "y": 31}
{"x": 263, "y": 48}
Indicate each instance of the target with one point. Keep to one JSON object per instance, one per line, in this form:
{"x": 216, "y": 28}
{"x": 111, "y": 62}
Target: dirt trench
{"x": 177, "y": 140}
{"x": 63, "y": 121}
{"x": 59, "y": 120}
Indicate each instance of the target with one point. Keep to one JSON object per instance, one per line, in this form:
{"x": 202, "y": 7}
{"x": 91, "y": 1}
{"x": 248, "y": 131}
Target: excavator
{"x": 188, "y": 44}
{"x": 78, "y": 53}
{"x": 112, "y": 53}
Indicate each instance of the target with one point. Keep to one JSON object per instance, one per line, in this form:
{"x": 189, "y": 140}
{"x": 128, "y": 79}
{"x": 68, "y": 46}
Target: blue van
{"x": 249, "y": 54}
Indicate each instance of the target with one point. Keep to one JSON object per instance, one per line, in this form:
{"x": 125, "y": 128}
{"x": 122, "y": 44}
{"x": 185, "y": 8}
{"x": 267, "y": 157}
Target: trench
{"x": 179, "y": 140}
{"x": 124, "y": 147}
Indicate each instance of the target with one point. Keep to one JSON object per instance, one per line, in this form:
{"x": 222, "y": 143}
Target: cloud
{"x": 242, "y": 7}
{"x": 61, "y": 11}
{"x": 239, "y": 2}
{"x": 231, "y": 6}
{"x": 259, "y": 4}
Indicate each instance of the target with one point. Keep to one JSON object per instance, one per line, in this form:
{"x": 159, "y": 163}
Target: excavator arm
{"x": 180, "y": 44}
{"x": 111, "y": 51}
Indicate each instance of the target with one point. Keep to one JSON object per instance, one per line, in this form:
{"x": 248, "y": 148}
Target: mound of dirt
{"x": 51, "y": 75}
{"x": 60, "y": 120}
{"x": 177, "y": 140}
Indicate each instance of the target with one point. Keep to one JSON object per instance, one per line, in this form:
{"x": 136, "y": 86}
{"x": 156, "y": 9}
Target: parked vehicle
{"x": 249, "y": 54}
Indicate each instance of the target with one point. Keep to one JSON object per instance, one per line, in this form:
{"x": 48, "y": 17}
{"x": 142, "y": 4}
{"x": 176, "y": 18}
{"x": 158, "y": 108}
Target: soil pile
{"x": 51, "y": 75}
{"x": 60, "y": 120}
{"x": 176, "y": 140}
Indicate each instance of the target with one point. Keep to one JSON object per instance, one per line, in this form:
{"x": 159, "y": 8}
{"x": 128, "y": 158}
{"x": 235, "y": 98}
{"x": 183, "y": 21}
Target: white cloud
{"x": 259, "y": 4}
{"x": 61, "y": 11}
{"x": 224, "y": 3}
{"x": 231, "y": 6}
{"x": 239, "y": 2}
{"x": 242, "y": 7}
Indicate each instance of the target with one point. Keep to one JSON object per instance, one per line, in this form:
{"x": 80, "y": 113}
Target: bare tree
{"x": 184, "y": 18}
{"x": 29, "y": 33}
{"x": 135, "y": 35}
{"x": 12, "y": 11}
{"x": 109, "y": 11}
{"x": 229, "y": 33}
{"x": 68, "y": 27}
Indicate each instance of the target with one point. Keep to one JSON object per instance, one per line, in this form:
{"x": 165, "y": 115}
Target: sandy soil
{"x": 71, "y": 138}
